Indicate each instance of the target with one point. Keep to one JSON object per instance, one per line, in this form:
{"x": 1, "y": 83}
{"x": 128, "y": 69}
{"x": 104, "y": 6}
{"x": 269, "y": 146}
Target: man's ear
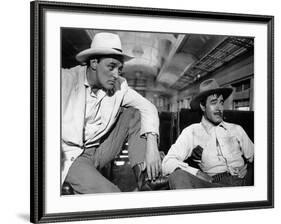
{"x": 93, "y": 63}
{"x": 203, "y": 108}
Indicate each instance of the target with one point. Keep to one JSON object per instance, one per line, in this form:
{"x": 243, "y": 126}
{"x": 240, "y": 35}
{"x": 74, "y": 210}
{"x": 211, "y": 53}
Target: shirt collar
{"x": 208, "y": 125}
{"x": 99, "y": 94}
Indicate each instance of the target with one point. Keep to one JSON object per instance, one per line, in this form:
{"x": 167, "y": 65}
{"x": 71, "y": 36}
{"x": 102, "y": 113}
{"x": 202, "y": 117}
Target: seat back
{"x": 243, "y": 118}
{"x": 168, "y": 127}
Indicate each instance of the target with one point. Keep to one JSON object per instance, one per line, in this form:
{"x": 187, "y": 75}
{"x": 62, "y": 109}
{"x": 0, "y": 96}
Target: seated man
{"x": 222, "y": 150}
{"x": 98, "y": 117}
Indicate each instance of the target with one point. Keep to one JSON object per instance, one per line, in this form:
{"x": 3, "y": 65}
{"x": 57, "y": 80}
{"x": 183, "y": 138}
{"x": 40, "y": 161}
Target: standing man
{"x": 99, "y": 115}
{"x": 222, "y": 150}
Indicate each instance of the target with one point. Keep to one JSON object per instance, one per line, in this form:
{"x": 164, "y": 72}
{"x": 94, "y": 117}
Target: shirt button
{"x": 72, "y": 159}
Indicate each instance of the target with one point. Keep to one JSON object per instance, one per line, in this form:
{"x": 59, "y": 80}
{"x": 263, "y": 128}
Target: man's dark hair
{"x": 97, "y": 57}
{"x": 203, "y": 103}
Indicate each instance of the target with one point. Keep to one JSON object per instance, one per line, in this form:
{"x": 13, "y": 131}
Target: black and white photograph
{"x": 146, "y": 111}
{"x": 140, "y": 112}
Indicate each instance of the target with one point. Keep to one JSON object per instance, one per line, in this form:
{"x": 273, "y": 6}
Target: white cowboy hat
{"x": 207, "y": 88}
{"x": 103, "y": 44}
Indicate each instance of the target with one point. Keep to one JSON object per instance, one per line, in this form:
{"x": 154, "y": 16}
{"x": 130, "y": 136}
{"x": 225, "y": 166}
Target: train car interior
{"x": 167, "y": 69}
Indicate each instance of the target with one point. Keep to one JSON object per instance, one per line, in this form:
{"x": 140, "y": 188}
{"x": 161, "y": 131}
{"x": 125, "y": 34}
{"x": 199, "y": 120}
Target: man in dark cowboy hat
{"x": 97, "y": 119}
{"x": 222, "y": 150}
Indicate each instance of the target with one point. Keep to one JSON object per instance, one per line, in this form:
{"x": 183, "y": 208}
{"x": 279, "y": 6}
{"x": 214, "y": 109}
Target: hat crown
{"x": 106, "y": 41}
{"x": 209, "y": 84}
{"x": 206, "y": 88}
{"x": 103, "y": 44}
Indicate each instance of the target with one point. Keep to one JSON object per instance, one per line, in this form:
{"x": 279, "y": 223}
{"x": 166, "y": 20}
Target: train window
{"x": 242, "y": 95}
{"x": 241, "y": 86}
{"x": 241, "y": 104}
{"x": 238, "y": 88}
{"x": 247, "y": 85}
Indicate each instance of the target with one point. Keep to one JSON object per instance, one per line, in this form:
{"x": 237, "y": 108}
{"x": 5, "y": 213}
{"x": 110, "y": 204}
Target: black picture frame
{"x": 38, "y": 122}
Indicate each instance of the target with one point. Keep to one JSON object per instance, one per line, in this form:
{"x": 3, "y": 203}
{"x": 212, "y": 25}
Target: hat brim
{"x": 195, "y": 102}
{"x": 84, "y": 55}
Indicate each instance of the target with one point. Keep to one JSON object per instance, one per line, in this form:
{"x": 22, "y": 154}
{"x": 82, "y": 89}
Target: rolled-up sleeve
{"x": 179, "y": 152}
{"x": 148, "y": 112}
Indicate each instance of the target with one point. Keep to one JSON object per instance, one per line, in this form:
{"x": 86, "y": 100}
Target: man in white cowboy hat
{"x": 222, "y": 150}
{"x": 97, "y": 120}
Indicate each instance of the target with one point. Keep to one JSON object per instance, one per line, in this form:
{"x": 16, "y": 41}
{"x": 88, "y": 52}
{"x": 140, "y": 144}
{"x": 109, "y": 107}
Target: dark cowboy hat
{"x": 103, "y": 44}
{"x": 207, "y": 88}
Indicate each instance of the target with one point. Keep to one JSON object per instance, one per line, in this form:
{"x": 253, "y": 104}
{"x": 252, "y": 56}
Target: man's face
{"x": 213, "y": 110}
{"x": 107, "y": 72}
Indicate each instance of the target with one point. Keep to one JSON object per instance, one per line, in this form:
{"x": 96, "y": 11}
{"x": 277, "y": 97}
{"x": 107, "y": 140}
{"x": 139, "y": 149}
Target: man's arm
{"x": 148, "y": 112}
{"x": 149, "y": 130}
{"x": 247, "y": 146}
{"x": 179, "y": 152}
{"x": 66, "y": 86}
{"x": 152, "y": 157}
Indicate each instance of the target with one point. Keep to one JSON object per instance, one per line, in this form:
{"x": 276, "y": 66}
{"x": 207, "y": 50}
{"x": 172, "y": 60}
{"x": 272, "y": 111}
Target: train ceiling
{"x": 171, "y": 61}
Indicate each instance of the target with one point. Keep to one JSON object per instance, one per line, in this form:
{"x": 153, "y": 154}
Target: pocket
{"x": 230, "y": 144}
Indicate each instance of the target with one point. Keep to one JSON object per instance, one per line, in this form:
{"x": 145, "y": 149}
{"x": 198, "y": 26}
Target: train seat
{"x": 243, "y": 118}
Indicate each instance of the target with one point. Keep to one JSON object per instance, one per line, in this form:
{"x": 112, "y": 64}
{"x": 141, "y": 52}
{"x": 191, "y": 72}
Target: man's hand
{"x": 203, "y": 176}
{"x": 239, "y": 171}
{"x": 152, "y": 157}
{"x": 242, "y": 172}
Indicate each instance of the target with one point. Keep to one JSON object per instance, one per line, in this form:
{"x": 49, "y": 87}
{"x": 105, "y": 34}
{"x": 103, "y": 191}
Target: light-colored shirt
{"x": 73, "y": 112}
{"x": 93, "y": 121}
{"x": 223, "y": 146}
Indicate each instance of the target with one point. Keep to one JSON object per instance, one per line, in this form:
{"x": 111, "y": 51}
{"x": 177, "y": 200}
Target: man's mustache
{"x": 219, "y": 113}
